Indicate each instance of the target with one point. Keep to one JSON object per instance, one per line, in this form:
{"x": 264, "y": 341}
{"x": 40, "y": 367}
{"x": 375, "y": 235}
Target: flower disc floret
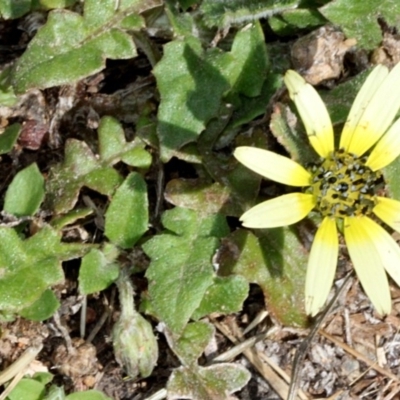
{"x": 343, "y": 185}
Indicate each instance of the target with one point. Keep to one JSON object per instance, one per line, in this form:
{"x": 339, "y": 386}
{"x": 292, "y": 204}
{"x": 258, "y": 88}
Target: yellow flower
{"x": 342, "y": 187}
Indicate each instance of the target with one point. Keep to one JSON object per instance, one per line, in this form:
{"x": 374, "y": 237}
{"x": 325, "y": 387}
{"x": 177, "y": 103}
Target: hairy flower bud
{"x": 135, "y": 346}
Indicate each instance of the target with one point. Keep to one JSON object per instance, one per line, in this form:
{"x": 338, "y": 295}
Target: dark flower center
{"x": 343, "y": 185}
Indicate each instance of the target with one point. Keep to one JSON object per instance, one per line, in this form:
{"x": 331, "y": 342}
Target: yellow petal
{"x": 388, "y": 249}
{"x": 378, "y": 114}
{"x": 367, "y": 91}
{"x": 321, "y": 266}
{"x": 313, "y": 113}
{"x": 284, "y": 210}
{"x": 367, "y": 262}
{"x": 273, "y": 166}
{"x": 388, "y": 210}
{"x": 387, "y": 149}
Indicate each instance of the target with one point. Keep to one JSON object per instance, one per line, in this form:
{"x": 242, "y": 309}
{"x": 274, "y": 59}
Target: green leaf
{"x": 392, "y": 178}
{"x": 235, "y": 177}
{"x": 50, "y": 4}
{"x": 70, "y": 47}
{"x": 224, "y": 13}
{"x": 43, "y": 377}
{"x": 7, "y": 95}
{"x": 184, "y": 76}
{"x": 43, "y": 308}
{"x": 83, "y": 168}
{"x": 111, "y": 138}
{"x": 88, "y": 395}
{"x": 133, "y": 22}
{"x": 250, "y": 61}
{"x": 127, "y": 219}
{"x": 250, "y": 108}
{"x": 29, "y": 267}
{"x": 25, "y": 193}
{"x": 70, "y": 218}
{"x": 79, "y": 168}
{"x": 12, "y": 9}
{"x": 181, "y": 271}
{"x": 226, "y": 295}
{"x": 194, "y": 382}
{"x": 55, "y": 393}
{"x": 213, "y": 382}
{"x": 204, "y": 197}
{"x": 98, "y": 270}
{"x": 277, "y": 262}
{"x": 114, "y": 148}
{"x": 346, "y": 14}
{"x": 289, "y": 22}
{"x": 27, "y": 389}
{"x": 191, "y": 344}
{"x": 185, "y": 4}
{"x": 9, "y": 137}
{"x": 295, "y": 141}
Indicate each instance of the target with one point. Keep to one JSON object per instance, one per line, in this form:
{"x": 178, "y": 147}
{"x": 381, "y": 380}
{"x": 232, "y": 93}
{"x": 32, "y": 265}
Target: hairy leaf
{"x": 277, "y": 262}
{"x": 213, "y": 382}
{"x": 360, "y": 19}
{"x": 81, "y": 167}
{"x": 223, "y": 13}
{"x": 127, "y": 217}
{"x": 71, "y": 46}
{"x": 29, "y": 267}
{"x": 181, "y": 270}
{"x": 98, "y": 270}
{"x": 25, "y": 193}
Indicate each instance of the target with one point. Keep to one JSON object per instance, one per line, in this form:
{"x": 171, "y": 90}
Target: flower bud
{"x": 135, "y": 346}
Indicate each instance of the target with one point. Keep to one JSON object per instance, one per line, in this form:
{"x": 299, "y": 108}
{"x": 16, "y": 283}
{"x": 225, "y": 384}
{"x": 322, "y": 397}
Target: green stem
{"x": 126, "y": 294}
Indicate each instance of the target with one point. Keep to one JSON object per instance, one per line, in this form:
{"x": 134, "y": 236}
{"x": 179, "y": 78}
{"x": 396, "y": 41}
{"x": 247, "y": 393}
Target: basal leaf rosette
{"x": 343, "y": 186}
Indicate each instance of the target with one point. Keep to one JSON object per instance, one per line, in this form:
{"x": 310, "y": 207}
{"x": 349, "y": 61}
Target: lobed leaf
{"x": 70, "y": 46}
{"x": 277, "y": 262}
{"x": 187, "y": 72}
{"x": 184, "y": 76}
{"x": 29, "y": 267}
{"x": 181, "y": 270}
{"x": 213, "y": 382}
{"x": 226, "y": 295}
{"x": 224, "y": 13}
{"x": 250, "y": 61}
{"x": 191, "y": 344}
{"x": 194, "y": 382}
{"x": 113, "y": 147}
{"x": 348, "y": 15}
{"x": 81, "y": 167}
{"x": 289, "y": 22}
{"x": 204, "y": 197}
